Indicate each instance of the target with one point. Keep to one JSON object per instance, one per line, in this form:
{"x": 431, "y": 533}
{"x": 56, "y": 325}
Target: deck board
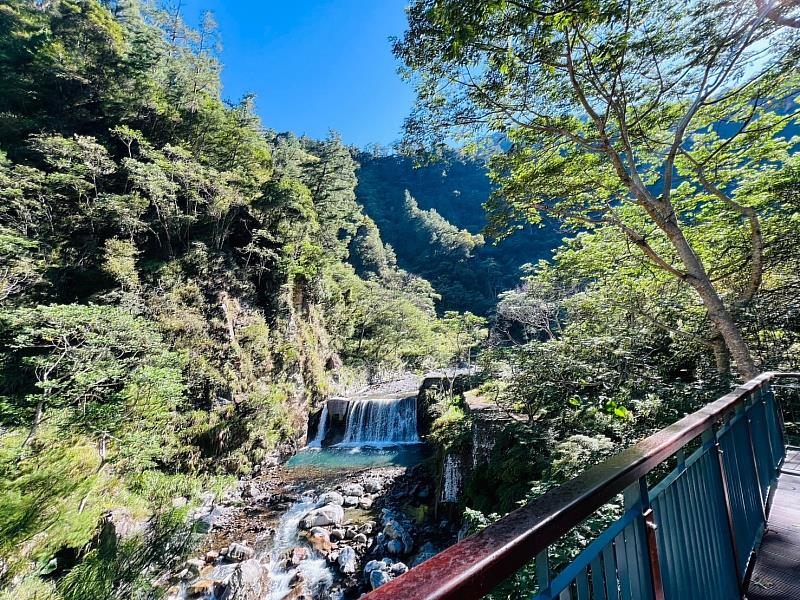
{"x": 776, "y": 575}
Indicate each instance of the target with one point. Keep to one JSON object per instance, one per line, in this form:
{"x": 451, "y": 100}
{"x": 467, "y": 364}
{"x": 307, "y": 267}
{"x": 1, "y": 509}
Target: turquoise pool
{"x": 332, "y": 458}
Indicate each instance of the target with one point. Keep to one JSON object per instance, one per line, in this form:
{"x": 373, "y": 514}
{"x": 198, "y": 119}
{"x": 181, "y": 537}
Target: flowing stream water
{"x": 314, "y": 570}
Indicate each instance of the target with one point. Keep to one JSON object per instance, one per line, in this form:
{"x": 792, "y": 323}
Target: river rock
{"x": 330, "y": 498}
{"x": 201, "y": 587}
{"x": 398, "y": 568}
{"x": 394, "y": 547}
{"x": 248, "y": 582}
{"x": 427, "y": 551}
{"x": 367, "y": 528}
{"x": 331, "y": 514}
{"x": 240, "y": 551}
{"x": 320, "y": 539}
{"x": 360, "y": 538}
{"x": 347, "y": 560}
{"x": 377, "y": 578}
{"x": 365, "y": 502}
{"x": 351, "y": 500}
{"x": 298, "y": 555}
{"x": 353, "y": 489}
{"x": 194, "y": 565}
{"x": 373, "y": 485}
{"x": 372, "y": 565}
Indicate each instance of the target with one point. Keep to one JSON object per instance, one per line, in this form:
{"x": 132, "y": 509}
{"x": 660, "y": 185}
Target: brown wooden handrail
{"x": 471, "y": 568}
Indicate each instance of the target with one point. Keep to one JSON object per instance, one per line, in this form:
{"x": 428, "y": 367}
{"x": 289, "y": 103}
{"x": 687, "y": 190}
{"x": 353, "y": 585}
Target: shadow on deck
{"x": 776, "y": 574}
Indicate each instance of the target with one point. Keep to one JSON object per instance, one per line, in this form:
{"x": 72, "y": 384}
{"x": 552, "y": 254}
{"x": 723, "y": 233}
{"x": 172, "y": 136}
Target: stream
{"x": 332, "y": 522}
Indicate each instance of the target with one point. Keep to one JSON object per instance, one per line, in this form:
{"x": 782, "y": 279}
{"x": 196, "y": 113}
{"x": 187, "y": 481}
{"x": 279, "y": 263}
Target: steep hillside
{"x": 436, "y": 233}
{"x": 176, "y": 284}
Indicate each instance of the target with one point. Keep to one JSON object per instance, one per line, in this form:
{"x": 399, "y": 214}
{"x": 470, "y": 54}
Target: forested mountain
{"x": 432, "y": 216}
{"x": 176, "y": 282}
{"x": 183, "y": 287}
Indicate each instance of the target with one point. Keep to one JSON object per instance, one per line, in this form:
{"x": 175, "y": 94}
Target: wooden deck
{"x": 776, "y": 574}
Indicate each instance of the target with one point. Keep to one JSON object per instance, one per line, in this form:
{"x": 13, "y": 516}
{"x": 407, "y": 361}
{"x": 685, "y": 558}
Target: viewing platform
{"x": 710, "y": 511}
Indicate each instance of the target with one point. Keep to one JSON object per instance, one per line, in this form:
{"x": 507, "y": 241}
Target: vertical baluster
{"x": 610, "y": 569}
{"x": 643, "y": 569}
{"x": 582, "y": 585}
{"x": 598, "y": 589}
{"x": 722, "y": 481}
{"x": 542, "y": 565}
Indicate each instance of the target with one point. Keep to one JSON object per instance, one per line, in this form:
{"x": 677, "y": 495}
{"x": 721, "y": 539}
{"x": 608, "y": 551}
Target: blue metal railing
{"x": 694, "y": 534}
{"x": 691, "y": 535}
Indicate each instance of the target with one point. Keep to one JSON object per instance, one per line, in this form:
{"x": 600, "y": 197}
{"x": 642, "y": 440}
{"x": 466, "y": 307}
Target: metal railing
{"x": 691, "y": 535}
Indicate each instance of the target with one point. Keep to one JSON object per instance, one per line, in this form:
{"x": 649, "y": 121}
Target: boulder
{"x": 377, "y": 578}
{"x": 248, "y": 582}
{"x": 320, "y": 540}
{"x": 394, "y": 547}
{"x": 398, "y": 568}
{"x": 337, "y": 534}
{"x": 351, "y": 500}
{"x": 373, "y": 485}
{"x": 330, "y": 514}
{"x": 330, "y": 498}
{"x": 360, "y": 538}
{"x": 393, "y": 530}
{"x": 347, "y": 560}
{"x": 372, "y": 565}
{"x": 427, "y": 551}
{"x": 240, "y": 551}
{"x": 365, "y": 502}
{"x": 353, "y": 489}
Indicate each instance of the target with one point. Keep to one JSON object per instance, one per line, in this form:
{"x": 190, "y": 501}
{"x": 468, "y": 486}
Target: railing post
{"x": 638, "y": 496}
{"x": 710, "y": 437}
{"x": 748, "y": 423}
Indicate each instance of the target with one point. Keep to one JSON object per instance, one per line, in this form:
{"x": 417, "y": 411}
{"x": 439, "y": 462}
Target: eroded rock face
{"x": 330, "y": 514}
{"x": 248, "y": 582}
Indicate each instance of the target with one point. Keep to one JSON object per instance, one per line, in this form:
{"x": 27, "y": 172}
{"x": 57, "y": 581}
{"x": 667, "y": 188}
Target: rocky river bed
{"x": 312, "y": 532}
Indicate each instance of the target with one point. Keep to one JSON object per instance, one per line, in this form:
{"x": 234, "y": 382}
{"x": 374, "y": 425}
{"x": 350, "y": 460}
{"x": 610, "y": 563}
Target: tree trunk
{"x": 717, "y": 312}
{"x": 35, "y": 425}
{"x": 722, "y": 356}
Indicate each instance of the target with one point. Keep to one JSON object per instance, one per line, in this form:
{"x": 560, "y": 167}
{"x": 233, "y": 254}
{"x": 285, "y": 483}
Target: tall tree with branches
{"x": 648, "y": 117}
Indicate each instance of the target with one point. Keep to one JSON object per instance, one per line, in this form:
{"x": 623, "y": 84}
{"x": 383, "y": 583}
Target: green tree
{"x": 614, "y": 114}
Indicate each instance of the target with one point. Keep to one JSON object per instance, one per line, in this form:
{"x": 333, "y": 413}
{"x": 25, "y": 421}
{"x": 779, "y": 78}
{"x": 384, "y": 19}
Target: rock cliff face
{"x": 457, "y": 466}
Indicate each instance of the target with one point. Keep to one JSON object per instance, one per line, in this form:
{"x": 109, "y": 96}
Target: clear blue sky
{"x": 314, "y": 65}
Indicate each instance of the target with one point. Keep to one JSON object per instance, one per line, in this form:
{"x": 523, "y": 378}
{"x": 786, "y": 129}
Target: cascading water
{"x": 316, "y": 575}
{"x": 381, "y": 422}
{"x": 322, "y": 428}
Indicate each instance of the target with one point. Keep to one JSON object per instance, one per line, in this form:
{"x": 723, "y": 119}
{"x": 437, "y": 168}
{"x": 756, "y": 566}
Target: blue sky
{"x": 314, "y": 65}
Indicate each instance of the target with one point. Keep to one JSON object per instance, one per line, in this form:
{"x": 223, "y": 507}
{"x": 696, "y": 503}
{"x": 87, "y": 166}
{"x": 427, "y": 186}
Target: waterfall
{"x": 322, "y": 428}
{"x": 451, "y": 479}
{"x": 381, "y": 422}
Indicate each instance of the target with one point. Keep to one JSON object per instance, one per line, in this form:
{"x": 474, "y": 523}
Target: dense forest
{"x": 178, "y": 283}
{"x": 182, "y": 286}
{"x": 432, "y": 216}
